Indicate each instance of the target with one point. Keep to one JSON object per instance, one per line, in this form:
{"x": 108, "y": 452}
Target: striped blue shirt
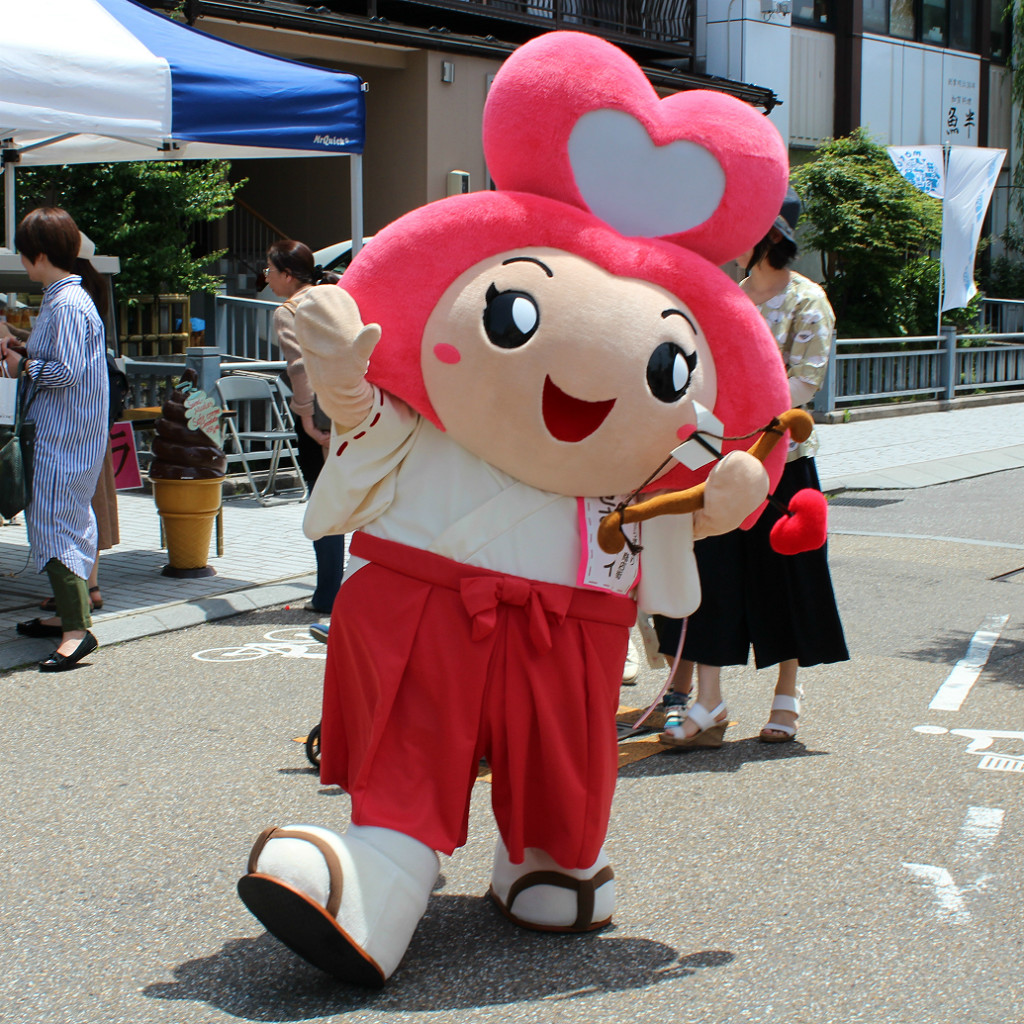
{"x": 67, "y": 360}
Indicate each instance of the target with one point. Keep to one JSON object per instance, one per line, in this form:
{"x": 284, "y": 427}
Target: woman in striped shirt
{"x": 66, "y": 359}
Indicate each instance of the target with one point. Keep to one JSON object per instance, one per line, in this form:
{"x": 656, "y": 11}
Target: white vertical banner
{"x": 970, "y": 178}
{"x": 922, "y": 166}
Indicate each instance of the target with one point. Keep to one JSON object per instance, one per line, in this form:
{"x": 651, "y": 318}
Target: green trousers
{"x": 71, "y": 595}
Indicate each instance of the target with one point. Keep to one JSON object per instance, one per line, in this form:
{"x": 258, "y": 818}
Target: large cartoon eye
{"x": 511, "y": 318}
{"x": 669, "y": 370}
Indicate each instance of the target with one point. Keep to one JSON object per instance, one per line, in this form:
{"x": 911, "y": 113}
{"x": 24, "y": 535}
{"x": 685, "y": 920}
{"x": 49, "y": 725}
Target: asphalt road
{"x": 869, "y": 872}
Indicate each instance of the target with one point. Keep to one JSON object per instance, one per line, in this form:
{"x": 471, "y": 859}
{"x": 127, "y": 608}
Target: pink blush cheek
{"x": 447, "y": 354}
{"x": 686, "y": 430}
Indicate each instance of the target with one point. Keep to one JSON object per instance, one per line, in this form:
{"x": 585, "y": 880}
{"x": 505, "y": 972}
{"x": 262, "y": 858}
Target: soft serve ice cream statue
{"x": 501, "y": 368}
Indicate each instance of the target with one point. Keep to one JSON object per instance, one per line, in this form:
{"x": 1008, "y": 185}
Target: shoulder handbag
{"x": 16, "y": 448}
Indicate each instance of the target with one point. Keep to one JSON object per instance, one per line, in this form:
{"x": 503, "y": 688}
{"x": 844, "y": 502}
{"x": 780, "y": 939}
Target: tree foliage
{"x": 875, "y": 232}
{"x": 1015, "y": 11}
{"x": 1005, "y": 276}
{"x": 141, "y": 212}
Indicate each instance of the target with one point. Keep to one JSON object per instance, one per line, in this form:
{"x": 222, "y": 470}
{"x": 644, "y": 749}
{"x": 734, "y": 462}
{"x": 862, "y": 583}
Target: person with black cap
{"x": 781, "y": 605}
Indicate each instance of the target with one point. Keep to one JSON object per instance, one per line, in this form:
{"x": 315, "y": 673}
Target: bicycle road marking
{"x": 995, "y": 763}
{"x": 953, "y": 692}
{"x": 979, "y": 831}
{"x": 982, "y": 739}
{"x": 287, "y": 642}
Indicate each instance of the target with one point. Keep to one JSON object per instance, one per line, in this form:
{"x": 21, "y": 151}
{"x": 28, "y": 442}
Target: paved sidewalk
{"x": 920, "y": 449}
{"x": 268, "y": 561}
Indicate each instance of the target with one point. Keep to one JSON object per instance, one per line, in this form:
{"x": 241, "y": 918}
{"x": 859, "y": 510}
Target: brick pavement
{"x": 267, "y": 560}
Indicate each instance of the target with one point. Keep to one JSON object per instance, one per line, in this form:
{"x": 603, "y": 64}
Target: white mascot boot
{"x": 348, "y": 904}
{"x": 541, "y": 894}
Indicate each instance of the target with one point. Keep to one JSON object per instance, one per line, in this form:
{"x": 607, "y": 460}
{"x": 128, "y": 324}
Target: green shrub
{"x": 878, "y": 237}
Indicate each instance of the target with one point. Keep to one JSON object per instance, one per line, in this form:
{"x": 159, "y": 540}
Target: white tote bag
{"x": 8, "y": 397}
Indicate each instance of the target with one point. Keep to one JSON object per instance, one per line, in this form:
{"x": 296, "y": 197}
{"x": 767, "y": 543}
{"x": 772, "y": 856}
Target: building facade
{"x": 428, "y": 68}
{"x": 911, "y": 71}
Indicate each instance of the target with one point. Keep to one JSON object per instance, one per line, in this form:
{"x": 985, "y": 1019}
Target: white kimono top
{"x": 397, "y": 477}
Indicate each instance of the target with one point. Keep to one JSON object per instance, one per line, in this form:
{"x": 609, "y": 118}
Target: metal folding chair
{"x": 261, "y": 431}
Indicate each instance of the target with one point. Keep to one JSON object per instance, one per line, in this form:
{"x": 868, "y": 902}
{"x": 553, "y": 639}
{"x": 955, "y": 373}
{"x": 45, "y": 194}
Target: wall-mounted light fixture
{"x": 448, "y": 71}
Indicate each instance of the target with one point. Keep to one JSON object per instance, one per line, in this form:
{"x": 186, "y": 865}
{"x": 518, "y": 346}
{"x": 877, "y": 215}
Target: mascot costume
{"x": 506, "y": 370}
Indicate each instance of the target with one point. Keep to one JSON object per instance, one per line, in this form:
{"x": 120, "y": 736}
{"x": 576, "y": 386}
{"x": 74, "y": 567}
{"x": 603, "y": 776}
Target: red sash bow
{"x": 481, "y": 596}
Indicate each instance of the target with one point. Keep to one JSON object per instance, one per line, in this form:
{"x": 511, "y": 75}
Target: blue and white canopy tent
{"x": 100, "y": 81}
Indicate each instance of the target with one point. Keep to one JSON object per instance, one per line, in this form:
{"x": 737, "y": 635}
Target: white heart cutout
{"x": 636, "y": 187}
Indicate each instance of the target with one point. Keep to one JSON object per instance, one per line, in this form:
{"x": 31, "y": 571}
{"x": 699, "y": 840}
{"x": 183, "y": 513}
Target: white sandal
{"x": 781, "y": 703}
{"x": 711, "y": 726}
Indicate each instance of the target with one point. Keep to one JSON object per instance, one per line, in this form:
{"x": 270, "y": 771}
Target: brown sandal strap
{"x": 585, "y": 889}
{"x": 334, "y": 871}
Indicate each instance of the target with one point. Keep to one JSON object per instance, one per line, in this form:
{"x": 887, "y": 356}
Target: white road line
{"x": 926, "y": 536}
{"x": 953, "y": 692}
{"x": 952, "y": 906}
{"x": 978, "y": 832}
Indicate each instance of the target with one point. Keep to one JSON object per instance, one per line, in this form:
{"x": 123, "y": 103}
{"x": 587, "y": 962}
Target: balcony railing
{"x": 669, "y": 21}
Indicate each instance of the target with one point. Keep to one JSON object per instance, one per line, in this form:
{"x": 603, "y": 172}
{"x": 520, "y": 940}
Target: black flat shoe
{"x": 61, "y": 662}
{"x": 36, "y": 627}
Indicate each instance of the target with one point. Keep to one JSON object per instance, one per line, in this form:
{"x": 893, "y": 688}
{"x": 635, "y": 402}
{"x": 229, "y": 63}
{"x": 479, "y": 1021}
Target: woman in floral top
{"x": 781, "y": 605}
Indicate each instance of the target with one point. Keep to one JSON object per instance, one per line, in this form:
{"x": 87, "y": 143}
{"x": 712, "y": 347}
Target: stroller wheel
{"x": 313, "y": 746}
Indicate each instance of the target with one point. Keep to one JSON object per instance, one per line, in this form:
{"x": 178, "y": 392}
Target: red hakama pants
{"x": 433, "y": 664}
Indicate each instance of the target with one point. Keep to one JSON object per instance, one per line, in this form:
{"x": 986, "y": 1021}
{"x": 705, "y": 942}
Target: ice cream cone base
{"x": 188, "y": 509}
{"x": 179, "y": 496}
{"x": 188, "y": 543}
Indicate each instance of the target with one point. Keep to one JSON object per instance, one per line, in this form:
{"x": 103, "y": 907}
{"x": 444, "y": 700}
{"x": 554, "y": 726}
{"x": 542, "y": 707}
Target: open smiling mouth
{"x": 571, "y": 419}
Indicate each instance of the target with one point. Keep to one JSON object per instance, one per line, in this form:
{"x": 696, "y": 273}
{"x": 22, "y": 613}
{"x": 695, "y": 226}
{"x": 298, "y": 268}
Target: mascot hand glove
{"x": 336, "y": 348}
{"x": 735, "y": 487}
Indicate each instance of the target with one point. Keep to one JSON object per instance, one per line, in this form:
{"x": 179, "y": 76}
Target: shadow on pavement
{"x": 1002, "y": 664}
{"x": 463, "y": 955}
{"x": 731, "y": 757}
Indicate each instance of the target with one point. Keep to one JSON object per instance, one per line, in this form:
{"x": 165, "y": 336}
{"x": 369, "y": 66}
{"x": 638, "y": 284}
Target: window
{"x": 876, "y": 16}
{"x": 1000, "y": 33}
{"x": 902, "y": 22}
{"x": 813, "y": 13}
{"x": 961, "y": 25}
{"x": 937, "y": 22}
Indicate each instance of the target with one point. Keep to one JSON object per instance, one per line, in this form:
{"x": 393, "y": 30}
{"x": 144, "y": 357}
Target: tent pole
{"x": 356, "y": 190}
{"x": 9, "y": 205}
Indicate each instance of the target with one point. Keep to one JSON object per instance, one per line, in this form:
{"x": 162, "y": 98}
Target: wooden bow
{"x": 609, "y": 534}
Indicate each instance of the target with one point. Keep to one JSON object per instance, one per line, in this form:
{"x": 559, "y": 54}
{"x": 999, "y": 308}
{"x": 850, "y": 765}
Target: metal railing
{"x": 671, "y": 21}
{"x": 1003, "y": 316}
{"x": 861, "y": 371}
{"x": 244, "y": 328}
{"x": 244, "y": 232}
{"x": 947, "y": 366}
{"x": 149, "y": 380}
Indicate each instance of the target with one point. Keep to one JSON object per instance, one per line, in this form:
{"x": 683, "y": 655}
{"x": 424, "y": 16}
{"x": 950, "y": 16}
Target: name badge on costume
{"x": 616, "y": 573}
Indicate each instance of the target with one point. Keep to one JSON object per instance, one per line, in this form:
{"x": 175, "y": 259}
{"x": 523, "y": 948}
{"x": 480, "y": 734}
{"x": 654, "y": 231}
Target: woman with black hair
{"x": 66, "y": 359}
{"x": 781, "y": 605}
{"x": 291, "y": 272}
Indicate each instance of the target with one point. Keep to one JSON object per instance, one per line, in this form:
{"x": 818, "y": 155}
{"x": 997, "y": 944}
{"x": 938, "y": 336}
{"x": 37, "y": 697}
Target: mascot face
{"x": 582, "y": 358}
{"x": 570, "y": 326}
